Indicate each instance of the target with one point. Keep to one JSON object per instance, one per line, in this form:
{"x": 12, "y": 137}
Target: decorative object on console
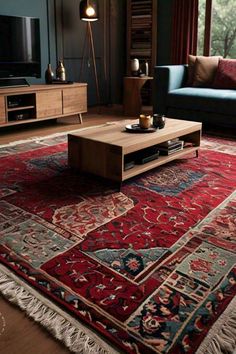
{"x": 159, "y": 120}
{"x": 89, "y": 13}
{"x": 60, "y": 71}
{"x": 49, "y": 74}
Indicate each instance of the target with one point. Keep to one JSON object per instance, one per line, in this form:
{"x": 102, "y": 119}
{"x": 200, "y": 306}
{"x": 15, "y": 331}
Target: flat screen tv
{"x": 19, "y": 47}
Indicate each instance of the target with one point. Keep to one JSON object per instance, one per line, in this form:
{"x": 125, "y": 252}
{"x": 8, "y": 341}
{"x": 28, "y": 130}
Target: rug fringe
{"x": 50, "y": 136}
{"x": 74, "y": 338}
{"x": 222, "y": 337}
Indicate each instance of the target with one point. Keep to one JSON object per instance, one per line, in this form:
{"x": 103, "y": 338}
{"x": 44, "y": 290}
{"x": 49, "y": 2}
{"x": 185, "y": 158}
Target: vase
{"x": 146, "y": 69}
{"x": 134, "y": 66}
{"x": 49, "y": 75}
{"x": 60, "y": 71}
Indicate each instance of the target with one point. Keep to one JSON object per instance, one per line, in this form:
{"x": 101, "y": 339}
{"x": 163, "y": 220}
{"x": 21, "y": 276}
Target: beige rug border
{"x": 75, "y": 335}
{"x": 54, "y": 135}
{"x": 218, "y": 340}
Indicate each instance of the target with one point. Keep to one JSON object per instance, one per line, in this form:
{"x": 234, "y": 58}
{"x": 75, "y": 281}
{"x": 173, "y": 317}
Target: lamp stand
{"x": 88, "y": 43}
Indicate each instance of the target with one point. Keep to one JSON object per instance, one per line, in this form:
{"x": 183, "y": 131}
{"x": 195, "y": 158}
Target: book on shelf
{"x": 139, "y": 45}
{"x": 170, "y": 151}
{"x": 171, "y": 146}
{"x": 141, "y": 16}
{"x": 140, "y": 11}
{"x": 140, "y": 52}
{"x": 141, "y": 4}
{"x": 170, "y": 143}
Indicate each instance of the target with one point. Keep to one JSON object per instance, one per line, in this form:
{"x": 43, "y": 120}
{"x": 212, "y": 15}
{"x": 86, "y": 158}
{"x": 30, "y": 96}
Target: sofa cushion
{"x": 191, "y": 64}
{"x": 225, "y": 74}
{"x": 206, "y": 99}
{"x": 204, "y": 71}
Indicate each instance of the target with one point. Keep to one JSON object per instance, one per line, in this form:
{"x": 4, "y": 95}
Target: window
{"x": 217, "y": 28}
{"x": 201, "y": 26}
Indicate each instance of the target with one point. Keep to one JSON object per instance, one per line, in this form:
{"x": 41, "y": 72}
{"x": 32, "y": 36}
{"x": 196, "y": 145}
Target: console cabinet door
{"x": 2, "y": 110}
{"x": 75, "y": 100}
{"x": 49, "y": 103}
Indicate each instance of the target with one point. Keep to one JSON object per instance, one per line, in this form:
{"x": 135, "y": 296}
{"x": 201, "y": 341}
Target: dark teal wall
{"x": 164, "y": 11}
{"x": 73, "y": 40}
{"x": 44, "y": 10}
{"x": 109, "y": 34}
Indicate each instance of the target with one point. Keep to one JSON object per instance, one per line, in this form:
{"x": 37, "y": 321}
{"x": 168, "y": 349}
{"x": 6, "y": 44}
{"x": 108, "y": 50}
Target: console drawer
{"x": 49, "y": 103}
{"x": 75, "y": 100}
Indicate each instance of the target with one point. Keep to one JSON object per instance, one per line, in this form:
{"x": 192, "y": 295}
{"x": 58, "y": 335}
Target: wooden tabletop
{"x": 116, "y": 134}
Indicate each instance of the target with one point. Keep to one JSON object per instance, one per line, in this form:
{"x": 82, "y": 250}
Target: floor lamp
{"x": 89, "y": 13}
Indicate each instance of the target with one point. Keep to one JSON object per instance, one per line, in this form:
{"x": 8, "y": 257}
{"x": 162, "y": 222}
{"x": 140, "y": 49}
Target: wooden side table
{"x": 132, "y": 100}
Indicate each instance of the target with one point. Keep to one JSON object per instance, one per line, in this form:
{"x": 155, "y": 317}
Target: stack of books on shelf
{"x": 141, "y": 28}
{"x": 170, "y": 146}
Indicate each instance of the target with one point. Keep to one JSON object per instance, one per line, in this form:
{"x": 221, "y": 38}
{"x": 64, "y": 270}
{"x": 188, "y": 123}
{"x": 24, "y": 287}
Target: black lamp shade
{"x": 88, "y": 10}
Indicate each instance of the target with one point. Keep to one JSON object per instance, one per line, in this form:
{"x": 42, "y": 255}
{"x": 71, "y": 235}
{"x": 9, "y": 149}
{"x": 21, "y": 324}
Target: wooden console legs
{"x": 80, "y": 118}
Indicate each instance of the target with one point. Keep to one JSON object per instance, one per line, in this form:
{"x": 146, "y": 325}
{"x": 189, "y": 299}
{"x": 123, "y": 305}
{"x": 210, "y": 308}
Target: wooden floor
{"x": 26, "y": 131}
{"x": 21, "y": 335}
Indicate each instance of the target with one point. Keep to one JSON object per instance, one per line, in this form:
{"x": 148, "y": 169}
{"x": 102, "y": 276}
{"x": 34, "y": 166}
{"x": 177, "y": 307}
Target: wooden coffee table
{"x": 103, "y": 150}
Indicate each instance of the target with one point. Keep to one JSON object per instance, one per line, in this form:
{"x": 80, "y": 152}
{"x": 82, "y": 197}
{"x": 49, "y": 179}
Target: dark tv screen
{"x": 19, "y": 47}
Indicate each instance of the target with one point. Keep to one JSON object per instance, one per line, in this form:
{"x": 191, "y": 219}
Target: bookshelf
{"x": 142, "y": 38}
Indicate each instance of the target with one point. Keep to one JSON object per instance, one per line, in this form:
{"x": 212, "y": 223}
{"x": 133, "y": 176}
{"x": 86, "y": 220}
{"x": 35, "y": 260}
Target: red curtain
{"x": 184, "y": 30}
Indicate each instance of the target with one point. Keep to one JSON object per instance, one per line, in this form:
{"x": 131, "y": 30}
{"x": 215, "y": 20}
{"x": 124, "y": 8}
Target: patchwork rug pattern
{"x": 151, "y": 268}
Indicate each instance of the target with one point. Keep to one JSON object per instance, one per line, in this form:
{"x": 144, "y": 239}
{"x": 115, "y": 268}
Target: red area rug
{"x": 150, "y": 268}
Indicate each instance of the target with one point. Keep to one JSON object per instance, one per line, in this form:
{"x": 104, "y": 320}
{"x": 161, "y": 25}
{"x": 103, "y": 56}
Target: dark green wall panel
{"x": 71, "y": 38}
{"x": 164, "y": 20}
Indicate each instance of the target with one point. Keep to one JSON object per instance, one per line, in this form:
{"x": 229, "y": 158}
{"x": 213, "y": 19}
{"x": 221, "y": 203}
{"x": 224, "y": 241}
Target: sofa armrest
{"x": 166, "y": 79}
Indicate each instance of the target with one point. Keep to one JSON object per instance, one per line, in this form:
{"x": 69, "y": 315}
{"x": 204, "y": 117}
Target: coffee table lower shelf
{"x": 138, "y": 169}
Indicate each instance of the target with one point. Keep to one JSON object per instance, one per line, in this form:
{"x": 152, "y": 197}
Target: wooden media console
{"x": 41, "y": 102}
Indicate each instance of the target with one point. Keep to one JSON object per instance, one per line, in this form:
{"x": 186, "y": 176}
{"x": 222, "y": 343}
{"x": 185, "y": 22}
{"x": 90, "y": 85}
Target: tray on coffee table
{"x": 135, "y": 128}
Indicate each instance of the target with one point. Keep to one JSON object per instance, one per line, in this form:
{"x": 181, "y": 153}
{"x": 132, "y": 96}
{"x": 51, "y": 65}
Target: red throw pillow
{"x": 226, "y": 74}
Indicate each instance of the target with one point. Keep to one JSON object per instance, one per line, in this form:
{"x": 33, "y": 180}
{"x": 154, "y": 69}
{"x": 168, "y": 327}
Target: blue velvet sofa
{"x": 171, "y": 97}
